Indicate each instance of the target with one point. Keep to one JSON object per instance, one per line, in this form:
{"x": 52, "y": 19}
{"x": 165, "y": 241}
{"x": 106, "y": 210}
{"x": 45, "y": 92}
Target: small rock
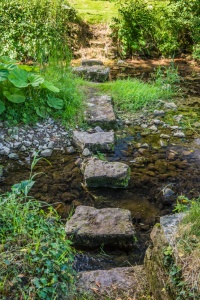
{"x": 4, "y": 151}
{"x": 159, "y": 113}
{"x": 174, "y": 127}
{"x": 70, "y": 150}
{"x": 13, "y": 156}
{"x": 153, "y": 128}
{"x": 98, "y": 129}
{"x": 23, "y": 148}
{"x": 157, "y": 122}
{"x": 179, "y": 134}
{"x": 164, "y": 136}
{"x": 178, "y": 118}
{"x": 127, "y": 122}
{"x": 145, "y": 145}
{"x": 163, "y": 143}
{"x": 50, "y": 145}
{"x": 86, "y": 152}
{"x": 170, "y": 105}
{"x": 78, "y": 162}
{"x": 144, "y": 126}
{"x": 46, "y": 153}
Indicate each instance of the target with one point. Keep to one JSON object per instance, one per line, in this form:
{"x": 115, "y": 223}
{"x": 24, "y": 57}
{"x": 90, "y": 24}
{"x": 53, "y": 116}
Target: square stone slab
{"x": 117, "y": 283}
{"x": 100, "y": 111}
{"x": 99, "y": 173}
{"x": 98, "y": 141}
{"x": 91, "y": 227}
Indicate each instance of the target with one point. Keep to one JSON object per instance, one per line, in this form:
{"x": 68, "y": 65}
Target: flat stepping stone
{"x": 100, "y": 111}
{"x": 116, "y": 283}
{"x": 91, "y": 62}
{"x": 99, "y": 173}
{"x": 91, "y": 227}
{"x": 98, "y": 141}
{"x": 94, "y": 73}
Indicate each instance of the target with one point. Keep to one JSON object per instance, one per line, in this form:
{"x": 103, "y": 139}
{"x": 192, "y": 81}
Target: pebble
{"x": 13, "y": 156}
{"x": 46, "y": 153}
{"x": 179, "y": 134}
{"x": 159, "y": 113}
{"x": 98, "y": 129}
{"x": 70, "y": 150}
{"x": 153, "y": 128}
{"x": 164, "y": 136}
{"x": 170, "y": 105}
{"x": 86, "y": 152}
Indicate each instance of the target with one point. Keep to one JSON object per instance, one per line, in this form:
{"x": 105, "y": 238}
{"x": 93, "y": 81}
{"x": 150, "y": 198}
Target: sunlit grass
{"x": 95, "y": 11}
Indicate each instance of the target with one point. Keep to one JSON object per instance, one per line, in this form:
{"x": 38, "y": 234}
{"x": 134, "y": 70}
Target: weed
{"x": 36, "y": 260}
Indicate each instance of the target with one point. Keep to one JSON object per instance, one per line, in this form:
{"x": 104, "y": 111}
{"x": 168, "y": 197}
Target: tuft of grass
{"x": 59, "y": 73}
{"x": 187, "y": 250}
{"x": 95, "y": 11}
{"x": 133, "y": 94}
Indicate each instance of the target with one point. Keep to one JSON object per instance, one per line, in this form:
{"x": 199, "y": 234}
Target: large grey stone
{"x": 91, "y": 227}
{"x": 98, "y": 141}
{"x": 107, "y": 174}
{"x": 117, "y": 283}
{"x": 100, "y": 111}
{"x": 93, "y": 73}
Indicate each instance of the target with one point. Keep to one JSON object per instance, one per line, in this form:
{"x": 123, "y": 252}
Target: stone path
{"x": 100, "y": 111}
{"x": 92, "y": 71}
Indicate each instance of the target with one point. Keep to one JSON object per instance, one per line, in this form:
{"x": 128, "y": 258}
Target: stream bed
{"x": 159, "y": 174}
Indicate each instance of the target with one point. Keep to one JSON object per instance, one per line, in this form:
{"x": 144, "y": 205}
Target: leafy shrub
{"x": 26, "y": 95}
{"x": 30, "y": 29}
{"x": 167, "y": 27}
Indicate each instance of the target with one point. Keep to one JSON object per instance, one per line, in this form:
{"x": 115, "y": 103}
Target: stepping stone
{"x": 92, "y": 62}
{"x": 98, "y": 141}
{"x": 100, "y": 111}
{"x": 94, "y": 73}
{"x": 99, "y": 173}
{"x": 116, "y": 283}
{"x": 91, "y": 227}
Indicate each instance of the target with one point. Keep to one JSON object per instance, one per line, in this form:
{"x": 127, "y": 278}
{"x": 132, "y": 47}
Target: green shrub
{"x": 31, "y": 29}
{"x": 167, "y": 27}
{"x": 27, "y": 95}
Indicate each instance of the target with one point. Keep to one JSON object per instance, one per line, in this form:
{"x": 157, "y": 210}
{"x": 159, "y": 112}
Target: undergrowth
{"x": 36, "y": 259}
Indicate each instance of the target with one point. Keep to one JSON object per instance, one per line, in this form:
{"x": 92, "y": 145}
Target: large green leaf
{"x": 48, "y": 85}
{"x": 7, "y": 60}
{"x": 3, "y": 74}
{"x": 19, "y": 78}
{"x": 15, "y": 95}
{"x": 2, "y": 107}
{"x": 41, "y": 112}
{"x": 35, "y": 80}
{"x": 54, "y": 102}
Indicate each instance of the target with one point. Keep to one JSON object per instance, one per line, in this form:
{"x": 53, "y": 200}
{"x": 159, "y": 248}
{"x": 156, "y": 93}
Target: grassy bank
{"x": 95, "y": 11}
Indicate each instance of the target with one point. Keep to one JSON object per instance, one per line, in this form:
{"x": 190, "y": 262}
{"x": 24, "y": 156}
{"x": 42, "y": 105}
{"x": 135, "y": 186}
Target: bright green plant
{"x": 36, "y": 259}
{"x": 21, "y": 83}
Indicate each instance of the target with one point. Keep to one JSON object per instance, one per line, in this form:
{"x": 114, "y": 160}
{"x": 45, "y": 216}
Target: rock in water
{"x": 98, "y": 141}
{"x": 106, "y": 174}
{"x": 91, "y": 227}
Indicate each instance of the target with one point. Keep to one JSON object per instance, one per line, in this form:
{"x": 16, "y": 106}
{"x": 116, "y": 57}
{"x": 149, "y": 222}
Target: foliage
{"x": 27, "y": 95}
{"x": 133, "y": 94}
{"x": 31, "y": 29}
{"x": 36, "y": 260}
{"x": 167, "y": 27}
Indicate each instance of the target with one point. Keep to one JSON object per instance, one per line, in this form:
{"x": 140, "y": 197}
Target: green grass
{"x": 95, "y": 12}
{"x": 133, "y": 94}
{"x": 36, "y": 259}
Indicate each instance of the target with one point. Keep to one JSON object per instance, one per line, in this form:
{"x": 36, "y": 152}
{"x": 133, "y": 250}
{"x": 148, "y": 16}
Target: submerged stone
{"x": 100, "y": 111}
{"x": 91, "y": 227}
{"x": 126, "y": 282}
{"x": 107, "y": 174}
{"x": 98, "y": 141}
